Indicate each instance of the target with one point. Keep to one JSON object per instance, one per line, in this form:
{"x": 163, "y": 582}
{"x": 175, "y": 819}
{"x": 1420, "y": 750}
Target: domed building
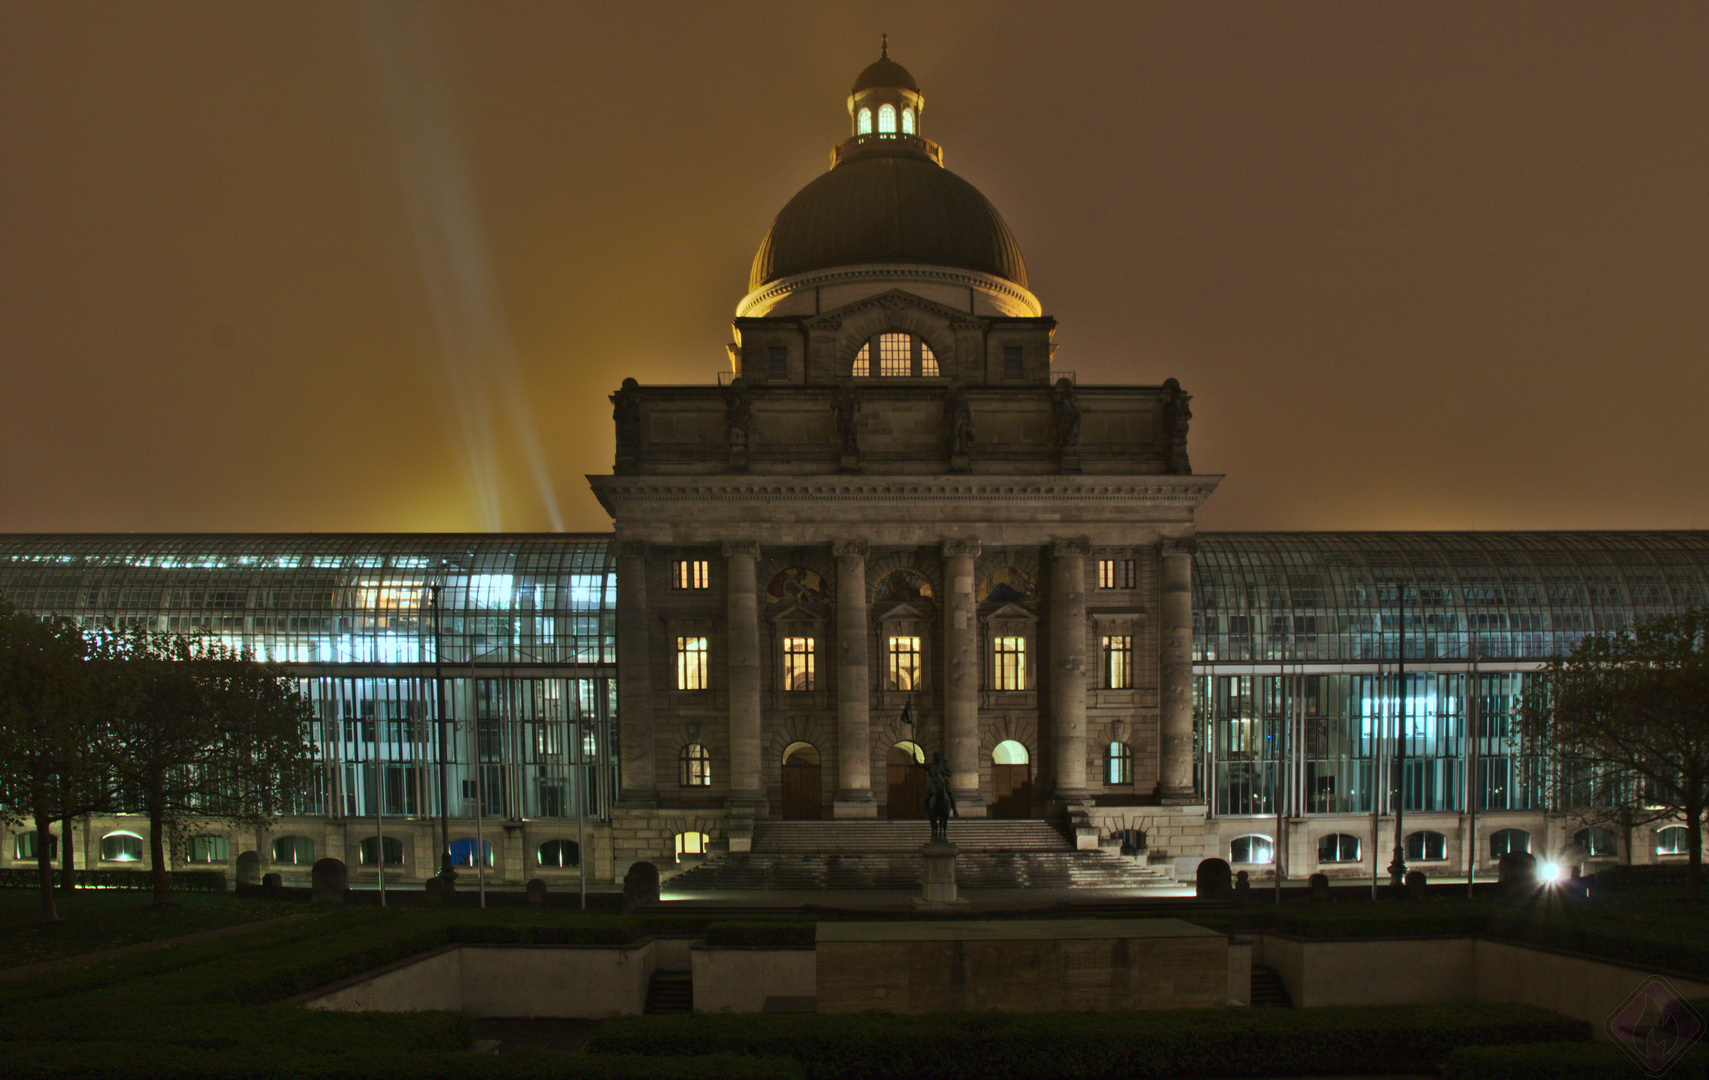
{"x": 895, "y": 529}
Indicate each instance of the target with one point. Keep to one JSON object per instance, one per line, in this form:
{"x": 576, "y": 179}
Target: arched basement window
{"x": 24, "y": 847}
{"x": 695, "y": 766}
{"x": 463, "y": 851}
{"x": 1426, "y": 846}
{"x": 294, "y": 850}
{"x": 369, "y": 848}
{"x": 863, "y": 122}
{"x": 209, "y": 849}
{"x": 907, "y": 121}
{"x": 1251, "y": 849}
{"x": 1672, "y": 840}
{"x": 558, "y": 854}
{"x": 887, "y": 119}
{"x": 1337, "y": 847}
{"x": 121, "y": 847}
{"x": 1509, "y": 842}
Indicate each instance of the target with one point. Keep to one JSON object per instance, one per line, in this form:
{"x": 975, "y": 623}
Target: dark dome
{"x": 888, "y": 208}
{"x": 884, "y": 72}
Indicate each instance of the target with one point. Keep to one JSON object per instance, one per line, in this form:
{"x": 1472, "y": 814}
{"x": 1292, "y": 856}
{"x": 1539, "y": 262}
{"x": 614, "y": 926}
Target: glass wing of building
{"x": 496, "y": 651}
{"x": 1299, "y": 640}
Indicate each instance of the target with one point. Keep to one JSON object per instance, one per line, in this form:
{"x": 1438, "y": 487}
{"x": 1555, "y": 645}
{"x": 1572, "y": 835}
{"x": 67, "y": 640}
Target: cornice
{"x": 773, "y": 291}
{"x": 1156, "y": 490}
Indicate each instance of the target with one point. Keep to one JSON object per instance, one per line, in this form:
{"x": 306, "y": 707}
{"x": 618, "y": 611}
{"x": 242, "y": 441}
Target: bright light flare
{"x": 1550, "y": 873}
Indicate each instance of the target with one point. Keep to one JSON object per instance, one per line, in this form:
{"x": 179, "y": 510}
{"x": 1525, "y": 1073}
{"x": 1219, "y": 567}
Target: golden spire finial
{"x": 884, "y": 46}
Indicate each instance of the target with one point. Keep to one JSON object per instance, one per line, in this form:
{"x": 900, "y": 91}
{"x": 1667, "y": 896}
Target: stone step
{"x": 974, "y": 870}
{"x": 818, "y": 837}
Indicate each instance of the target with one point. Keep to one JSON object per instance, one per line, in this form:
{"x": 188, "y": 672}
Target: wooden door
{"x": 1012, "y": 791}
{"x": 801, "y": 790}
{"x": 905, "y": 786}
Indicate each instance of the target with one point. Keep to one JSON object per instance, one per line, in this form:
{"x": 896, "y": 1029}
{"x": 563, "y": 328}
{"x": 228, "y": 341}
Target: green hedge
{"x": 1061, "y": 1046}
{"x": 14, "y": 877}
{"x": 1562, "y": 1061}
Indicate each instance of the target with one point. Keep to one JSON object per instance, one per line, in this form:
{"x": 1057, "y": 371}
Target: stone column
{"x": 1175, "y": 675}
{"x": 742, "y": 632}
{"x": 637, "y": 786}
{"x": 961, "y": 676}
{"x": 854, "y": 723}
{"x": 1068, "y": 671}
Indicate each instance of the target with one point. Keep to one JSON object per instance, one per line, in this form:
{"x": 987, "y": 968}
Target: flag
{"x": 908, "y": 713}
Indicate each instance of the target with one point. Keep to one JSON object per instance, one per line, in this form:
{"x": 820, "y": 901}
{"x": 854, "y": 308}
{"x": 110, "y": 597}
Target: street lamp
{"x": 446, "y": 873}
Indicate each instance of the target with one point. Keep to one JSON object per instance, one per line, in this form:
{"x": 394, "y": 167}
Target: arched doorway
{"x": 801, "y": 782}
{"x": 905, "y": 782}
{"x": 1011, "y": 780}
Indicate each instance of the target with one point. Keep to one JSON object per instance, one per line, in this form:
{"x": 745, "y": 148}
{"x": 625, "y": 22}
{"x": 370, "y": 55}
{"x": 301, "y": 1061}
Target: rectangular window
{"x": 691, "y": 663}
{"x": 1012, "y": 362}
{"x": 798, "y": 663}
{"x": 778, "y": 367}
{"x": 691, "y": 574}
{"x": 1106, "y": 573}
{"x": 904, "y": 663}
{"x": 1127, "y": 578}
{"x": 895, "y": 354}
{"x": 1118, "y": 671}
{"x": 1011, "y": 657}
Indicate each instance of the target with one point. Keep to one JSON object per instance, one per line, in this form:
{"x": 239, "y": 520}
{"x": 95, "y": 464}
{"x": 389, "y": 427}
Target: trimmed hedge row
{"x": 1562, "y": 1061}
{"x": 13, "y": 877}
{"x": 1059, "y": 1046}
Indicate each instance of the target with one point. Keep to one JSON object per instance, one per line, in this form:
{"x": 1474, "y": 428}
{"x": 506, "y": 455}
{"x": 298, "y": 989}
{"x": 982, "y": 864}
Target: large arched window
{"x": 294, "y": 850}
{"x": 1426, "y": 846}
{"x": 370, "y": 849}
{"x": 899, "y": 355}
{"x": 121, "y": 847}
{"x": 863, "y": 122}
{"x": 907, "y": 121}
{"x": 694, "y": 766}
{"x": 1251, "y": 849}
{"x": 1118, "y": 763}
{"x": 559, "y": 854}
{"x": 887, "y": 119}
{"x": 1673, "y": 840}
{"x": 24, "y": 847}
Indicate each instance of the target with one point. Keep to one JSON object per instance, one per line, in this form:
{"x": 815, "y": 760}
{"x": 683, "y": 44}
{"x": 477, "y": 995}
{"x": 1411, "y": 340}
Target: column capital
{"x": 1081, "y": 547}
{"x": 749, "y": 549}
{"x": 849, "y": 549}
{"x": 632, "y": 549}
{"x": 968, "y": 549}
{"x": 1183, "y": 545}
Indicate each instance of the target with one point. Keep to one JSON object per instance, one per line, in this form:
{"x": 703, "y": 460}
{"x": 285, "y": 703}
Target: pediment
{"x": 797, "y": 613}
{"x": 904, "y": 611}
{"x": 1011, "y": 611}
{"x": 893, "y": 301}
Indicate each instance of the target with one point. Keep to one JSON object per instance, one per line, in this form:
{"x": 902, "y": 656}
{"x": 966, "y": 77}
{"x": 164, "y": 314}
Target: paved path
{"x": 84, "y": 959}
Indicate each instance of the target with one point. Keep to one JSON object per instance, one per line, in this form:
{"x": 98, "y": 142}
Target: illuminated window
{"x": 904, "y": 669}
{"x": 1011, "y": 666}
{"x": 1118, "y": 671}
{"x": 887, "y": 119}
{"x": 1426, "y": 846}
{"x": 209, "y": 849}
{"x": 369, "y": 851}
{"x": 121, "y": 847}
{"x": 1250, "y": 849}
{"x": 798, "y": 663}
{"x": 862, "y": 362}
{"x": 294, "y": 850}
{"x": 863, "y": 122}
{"x": 694, "y": 766}
{"x": 1118, "y": 763}
{"x": 907, "y": 121}
{"x": 1672, "y": 840}
{"x": 559, "y": 854}
{"x": 690, "y": 574}
{"x": 895, "y": 354}
{"x": 928, "y": 362}
{"x": 691, "y": 663}
{"x": 691, "y": 843}
{"x": 1106, "y": 573}
{"x": 1337, "y": 847}
{"x": 24, "y": 847}
{"x": 1012, "y": 362}
{"x": 463, "y": 852}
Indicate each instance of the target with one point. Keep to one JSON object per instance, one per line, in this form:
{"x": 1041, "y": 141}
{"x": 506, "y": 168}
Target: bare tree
{"x": 1631, "y": 708}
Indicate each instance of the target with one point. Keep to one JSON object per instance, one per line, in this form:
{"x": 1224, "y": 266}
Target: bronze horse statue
{"x": 940, "y": 801}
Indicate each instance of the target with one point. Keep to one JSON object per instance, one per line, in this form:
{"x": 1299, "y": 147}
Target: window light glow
{"x": 907, "y": 121}
{"x": 863, "y": 122}
{"x": 887, "y": 119}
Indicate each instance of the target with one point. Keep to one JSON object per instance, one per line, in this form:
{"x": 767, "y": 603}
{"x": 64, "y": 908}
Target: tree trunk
{"x": 1694, "y": 853}
{"x": 67, "y": 858}
{"x": 157, "y": 855}
{"x": 44, "y": 865}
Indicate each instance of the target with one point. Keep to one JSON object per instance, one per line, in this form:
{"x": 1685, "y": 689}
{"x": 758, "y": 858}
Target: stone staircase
{"x": 866, "y": 855}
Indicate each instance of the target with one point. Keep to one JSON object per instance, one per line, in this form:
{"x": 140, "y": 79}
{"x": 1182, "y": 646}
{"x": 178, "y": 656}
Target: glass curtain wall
{"x": 1298, "y": 640}
{"x": 493, "y": 654}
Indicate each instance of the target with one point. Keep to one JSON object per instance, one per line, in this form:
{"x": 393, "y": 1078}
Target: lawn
{"x": 93, "y": 920}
